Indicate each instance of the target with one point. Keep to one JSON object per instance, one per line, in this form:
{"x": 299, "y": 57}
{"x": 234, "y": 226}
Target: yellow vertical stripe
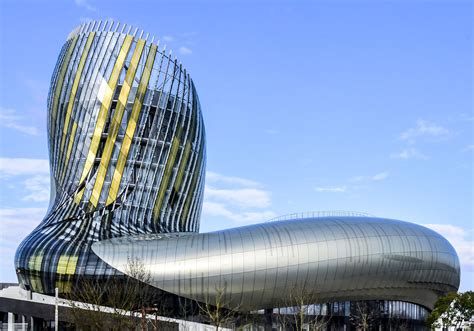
{"x": 59, "y": 85}
{"x": 103, "y": 112}
{"x": 192, "y": 188}
{"x": 67, "y": 265}
{"x": 69, "y": 148}
{"x": 78, "y": 196}
{"x": 131, "y": 126}
{"x": 35, "y": 262}
{"x": 182, "y": 166}
{"x": 75, "y": 85}
{"x": 197, "y": 168}
{"x": 166, "y": 177}
{"x": 36, "y": 285}
{"x": 71, "y": 141}
{"x": 64, "y": 286}
{"x": 116, "y": 122}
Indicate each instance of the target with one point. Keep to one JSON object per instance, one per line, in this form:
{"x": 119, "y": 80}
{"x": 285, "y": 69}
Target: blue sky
{"x": 342, "y": 105}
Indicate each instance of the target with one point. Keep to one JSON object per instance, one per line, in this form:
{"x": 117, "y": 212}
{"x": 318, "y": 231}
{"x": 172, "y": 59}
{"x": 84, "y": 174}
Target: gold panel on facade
{"x": 131, "y": 126}
{"x": 116, "y": 122}
{"x": 103, "y": 112}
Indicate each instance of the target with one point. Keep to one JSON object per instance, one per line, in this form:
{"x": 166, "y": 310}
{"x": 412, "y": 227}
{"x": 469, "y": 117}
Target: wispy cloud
{"x": 212, "y": 177}
{"x": 235, "y": 198}
{"x": 219, "y": 209}
{"x": 408, "y": 153}
{"x": 380, "y": 176}
{"x": 10, "y": 119}
{"x": 184, "y": 40}
{"x": 20, "y": 221}
{"x": 423, "y": 129}
{"x": 185, "y": 50}
{"x": 468, "y": 148}
{"x": 334, "y": 189}
{"x": 15, "y": 225}
{"x": 461, "y": 239}
{"x": 31, "y": 174}
{"x": 85, "y": 19}
{"x": 351, "y": 183}
{"x": 467, "y": 117}
{"x": 23, "y": 166}
{"x": 374, "y": 178}
{"x": 38, "y": 188}
{"x": 85, "y": 4}
{"x": 241, "y": 197}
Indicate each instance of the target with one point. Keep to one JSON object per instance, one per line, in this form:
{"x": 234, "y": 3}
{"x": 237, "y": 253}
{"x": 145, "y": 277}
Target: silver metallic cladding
{"x": 340, "y": 258}
{"x": 123, "y": 129}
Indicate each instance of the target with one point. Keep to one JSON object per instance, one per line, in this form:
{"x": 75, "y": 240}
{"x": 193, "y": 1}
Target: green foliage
{"x": 452, "y": 310}
{"x": 464, "y": 306}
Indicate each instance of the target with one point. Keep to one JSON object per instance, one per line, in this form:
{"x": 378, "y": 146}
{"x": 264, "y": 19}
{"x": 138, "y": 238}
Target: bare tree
{"x": 217, "y": 309}
{"x": 363, "y": 316}
{"x": 299, "y": 312}
{"x": 118, "y": 303}
{"x": 87, "y": 311}
{"x": 137, "y": 289}
{"x": 399, "y": 324}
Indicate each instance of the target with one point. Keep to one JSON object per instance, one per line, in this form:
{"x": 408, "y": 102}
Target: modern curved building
{"x": 127, "y": 155}
{"x": 336, "y": 258}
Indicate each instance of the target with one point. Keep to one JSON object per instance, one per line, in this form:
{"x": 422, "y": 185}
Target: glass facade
{"x": 381, "y": 315}
{"x": 127, "y": 153}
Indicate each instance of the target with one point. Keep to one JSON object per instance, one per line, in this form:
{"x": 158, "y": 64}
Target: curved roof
{"x": 337, "y": 258}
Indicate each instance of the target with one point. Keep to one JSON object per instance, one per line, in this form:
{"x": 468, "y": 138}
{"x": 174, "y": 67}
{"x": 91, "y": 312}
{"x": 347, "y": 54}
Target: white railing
{"x": 321, "y": 213}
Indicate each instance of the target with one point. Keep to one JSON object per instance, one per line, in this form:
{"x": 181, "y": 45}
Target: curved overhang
{"x": 336, "y": 258}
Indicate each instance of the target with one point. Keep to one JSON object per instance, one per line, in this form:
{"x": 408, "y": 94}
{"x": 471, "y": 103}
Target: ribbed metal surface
{"x": 127, "y": 153}
{"x": 339, "y": 258}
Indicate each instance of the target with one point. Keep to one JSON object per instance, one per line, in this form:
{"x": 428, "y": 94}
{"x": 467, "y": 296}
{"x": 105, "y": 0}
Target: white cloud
{"x": 19, "y": 222}
{"x": 10, "y": 119}
{"x": 467, "y": 117}
{"x": 38, "y": 186}
{"x": 219, "y": 209}
{"x": 424, "y": 128}
{"x": 213, "y": 177}
{"x": 407, "y": 153}
{"x": 469, "y": 148}
{"x": 85, "y": 4}
{"x": 375, "y": 178}
{"x": 461, "y": 239}
{"x": 363, "y": 181}
{"x": 168, "y": 38}
{"x": 15, "y": 225}
{"x": 22, "y": 166}
{"x": 338, "y": 189}
{"x": 380, "y": 176}
{"x": 185, "y": 50}
{"x": 241, "y": 197}
{"x": 85, "y": 19}
{"x": 238, "y": 199}
{"x": 32, "y": 174}
{"x": 358, "y": 178}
